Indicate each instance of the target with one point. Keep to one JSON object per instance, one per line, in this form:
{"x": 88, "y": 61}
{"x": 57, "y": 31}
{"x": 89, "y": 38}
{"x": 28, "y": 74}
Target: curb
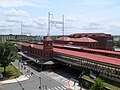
{"x": 21, "y": 78}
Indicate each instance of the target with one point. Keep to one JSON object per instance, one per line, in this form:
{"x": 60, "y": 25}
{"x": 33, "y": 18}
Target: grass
{"x": 11, "y": 72}
{"x": 112, "y": 87}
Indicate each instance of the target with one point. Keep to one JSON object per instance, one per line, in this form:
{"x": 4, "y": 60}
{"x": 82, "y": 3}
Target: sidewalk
{"x": 21, "y": 78}
{"x": 25, "y": 75}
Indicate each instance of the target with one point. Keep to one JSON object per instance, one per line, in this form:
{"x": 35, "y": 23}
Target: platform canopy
{"x": 35, "y": 59}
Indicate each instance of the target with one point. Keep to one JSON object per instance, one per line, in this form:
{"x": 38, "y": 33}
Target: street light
{"x": 18, "y": 65}
{"x": 74, "y": 84}
{"x": 45, "y": 87}
{"x": 40, "y": 83}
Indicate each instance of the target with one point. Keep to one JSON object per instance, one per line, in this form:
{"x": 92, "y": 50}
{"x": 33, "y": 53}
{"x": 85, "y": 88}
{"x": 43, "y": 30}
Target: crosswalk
{"x": 57, "y": 77}
{"x": 58, "y": 88}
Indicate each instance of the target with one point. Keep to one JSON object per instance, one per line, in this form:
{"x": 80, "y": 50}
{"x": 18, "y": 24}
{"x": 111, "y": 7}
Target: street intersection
{"x": 43, "y": 80}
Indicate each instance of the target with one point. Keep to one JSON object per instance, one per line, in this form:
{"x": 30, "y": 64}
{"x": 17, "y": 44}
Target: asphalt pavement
{"x": 38, "y": 79}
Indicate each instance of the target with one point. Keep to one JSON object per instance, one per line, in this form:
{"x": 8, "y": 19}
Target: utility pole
{"x": 63, "y": 27}
{"x": 40, "y": 83}
{"x": 22, "y": 33}
{"x": 11, "y": 31}
{"x": 45, "y": 87}
{"x": 21, "y": 28}
{"x": 48, "y": 33}
{"x": 48, "y": 24}
{"x": 55, "y": 22}
{"x": 19, "y": 84}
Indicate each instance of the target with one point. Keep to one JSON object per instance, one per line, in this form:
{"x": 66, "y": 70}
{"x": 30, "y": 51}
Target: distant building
{"x": 7, "y": 37}
{"x": 116, "y": 38}
{"x": 36, "y": 38}
{"x": 19, "y": 38}
{"x": 83, "y": 41}
{"x": 90, "y": 40}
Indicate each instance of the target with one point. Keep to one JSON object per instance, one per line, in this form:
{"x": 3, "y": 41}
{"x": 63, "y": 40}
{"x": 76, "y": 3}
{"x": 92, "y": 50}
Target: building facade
{"x": 106, "y": 63}
{"x": 41, "y": 55}
{"x": 105, "y": 41}
{"x": 102, "y": 65}
{"x": 82, "y": 42}
{"x": 7, "y": 38}
{"x": 19, "y": 38}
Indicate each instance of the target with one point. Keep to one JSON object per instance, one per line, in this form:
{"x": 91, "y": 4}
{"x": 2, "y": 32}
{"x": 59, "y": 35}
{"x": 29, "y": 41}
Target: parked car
{"x": 24, "y": 63}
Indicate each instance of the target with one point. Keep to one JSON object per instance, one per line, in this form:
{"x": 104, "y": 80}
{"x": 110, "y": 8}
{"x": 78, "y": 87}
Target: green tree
{"x": 98, "y": 84}
{"x": 8, "y": 53}
{"x": 117, "y": 44}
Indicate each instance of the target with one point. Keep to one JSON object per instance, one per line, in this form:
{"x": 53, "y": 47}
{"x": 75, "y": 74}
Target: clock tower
{"x": 47, "y": 48}
{"x": 47, "y": 43}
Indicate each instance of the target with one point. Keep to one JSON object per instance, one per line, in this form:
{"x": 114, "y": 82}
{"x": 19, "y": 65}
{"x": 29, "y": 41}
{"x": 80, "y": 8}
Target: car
{"x": 24, "y": 63}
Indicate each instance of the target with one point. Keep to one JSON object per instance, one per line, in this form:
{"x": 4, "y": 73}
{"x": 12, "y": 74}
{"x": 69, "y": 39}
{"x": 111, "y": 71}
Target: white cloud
{"x": 29, "y": 25}
{"x": 72, "y": 18}
{"x": 92, "y": 25}
{"x": 14, "y": 19}
{"x": 19, "y": 3}
{"x": 13, "y": 12}
{"x": 73, "y": 24}
{"x": 78, "y": 25}
{"x": 6, "y": 24}
{"x": 5, "y": 27}
{"x": 93, "y": 2}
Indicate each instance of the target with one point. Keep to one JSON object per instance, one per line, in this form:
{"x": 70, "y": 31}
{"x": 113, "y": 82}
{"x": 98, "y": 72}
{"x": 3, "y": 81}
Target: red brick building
{"x": 89, "y": 40}
{"x": 40, "y": 54}
{"x": 105, "y": 41}
{"x": 43, "y": 52}
{"x": 83, "y": 41}
{"x": 105, "y": 63}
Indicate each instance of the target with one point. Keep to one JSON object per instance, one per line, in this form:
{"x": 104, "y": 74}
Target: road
{"x": 33, "y": 82}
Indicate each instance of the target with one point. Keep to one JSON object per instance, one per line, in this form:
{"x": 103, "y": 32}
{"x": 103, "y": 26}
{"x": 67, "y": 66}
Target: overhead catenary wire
{"x": 98, "y": 9}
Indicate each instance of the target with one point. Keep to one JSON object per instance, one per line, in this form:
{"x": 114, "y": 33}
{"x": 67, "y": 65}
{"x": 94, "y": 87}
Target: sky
{"x": 80, "y": 16}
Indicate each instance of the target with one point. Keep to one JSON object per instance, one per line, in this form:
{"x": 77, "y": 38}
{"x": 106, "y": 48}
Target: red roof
{"x": 64, "y": 38}
{"x": 83, "y": 39}
{"x": 90, "y": 34}
{"x": 94, "y": 57}
{"x": 47, "y": 38}
{"x": 94, "y": 50}
{"x": 103, "y": 51}
{"x": 59, "y": 45}
{"x": 31, "y": 45}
